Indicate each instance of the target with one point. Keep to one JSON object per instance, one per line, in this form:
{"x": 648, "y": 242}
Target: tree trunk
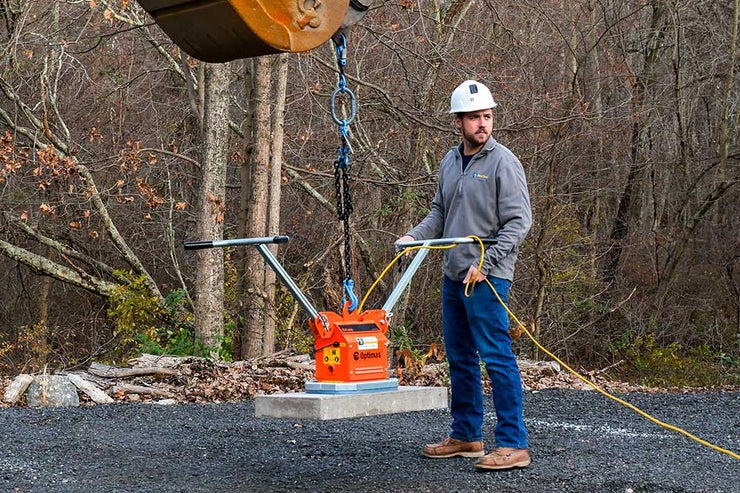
{"x": 276, "y": 180}
{"x": 244, "y": 189}
{"x": 257, "y": 214}
{"x": 681, "y": 106}
{"x": 594, "y": 217}
{"x": 43, "y": 342}
{"x": 544, "y": 274}
{"x": 642, "y": 90}
{"x": 571, "y": 72}
{"x": 724, "y": 143}
{"x": 209, "y": 282}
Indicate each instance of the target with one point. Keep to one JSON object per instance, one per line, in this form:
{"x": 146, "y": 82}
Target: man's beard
{"x": 476, "y": 139}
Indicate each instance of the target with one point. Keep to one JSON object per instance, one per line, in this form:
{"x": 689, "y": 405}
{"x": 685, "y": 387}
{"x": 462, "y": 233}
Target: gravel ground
{"x": 581, "y": 442}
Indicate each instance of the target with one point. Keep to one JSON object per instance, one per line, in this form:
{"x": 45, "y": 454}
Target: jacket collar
{"x": 487, "y": 147}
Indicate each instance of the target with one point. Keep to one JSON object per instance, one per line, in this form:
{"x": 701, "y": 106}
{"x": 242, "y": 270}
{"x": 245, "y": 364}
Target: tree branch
{"x": 44, "y": 266}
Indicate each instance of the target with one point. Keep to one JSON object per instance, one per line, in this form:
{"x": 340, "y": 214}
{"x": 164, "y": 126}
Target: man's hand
{"x": 403, "y": 239}
{"x": 474, "y": 274}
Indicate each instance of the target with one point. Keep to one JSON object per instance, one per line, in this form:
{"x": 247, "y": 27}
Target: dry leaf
{"x": 93, "y": 133}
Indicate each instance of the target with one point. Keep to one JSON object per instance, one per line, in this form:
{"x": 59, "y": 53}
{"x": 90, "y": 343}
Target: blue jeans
{"x": 475, "y": 327}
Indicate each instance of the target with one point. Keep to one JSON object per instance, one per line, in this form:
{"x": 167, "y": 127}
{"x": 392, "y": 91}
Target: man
{"x": 482, "y": 191}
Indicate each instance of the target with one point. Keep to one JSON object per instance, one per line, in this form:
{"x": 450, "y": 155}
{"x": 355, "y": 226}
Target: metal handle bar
{"x": 444, "y": 242}
{"x": 199, "y": 245}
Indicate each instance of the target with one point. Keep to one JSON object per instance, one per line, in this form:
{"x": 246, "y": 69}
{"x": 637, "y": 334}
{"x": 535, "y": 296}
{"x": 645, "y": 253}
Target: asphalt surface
{"x": 581, "y": 442}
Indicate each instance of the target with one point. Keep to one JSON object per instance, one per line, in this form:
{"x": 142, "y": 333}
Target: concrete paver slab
{"x": 301, "y": 405}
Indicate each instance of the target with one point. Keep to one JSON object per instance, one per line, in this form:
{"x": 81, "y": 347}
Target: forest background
{"x": 115, "y": 147}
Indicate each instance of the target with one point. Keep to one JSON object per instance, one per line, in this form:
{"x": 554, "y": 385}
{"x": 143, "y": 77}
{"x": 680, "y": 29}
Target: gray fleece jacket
{"x": 490, "y": 199}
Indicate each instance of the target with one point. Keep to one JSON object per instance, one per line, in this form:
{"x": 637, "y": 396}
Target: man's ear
{"x": 457, "y": 122}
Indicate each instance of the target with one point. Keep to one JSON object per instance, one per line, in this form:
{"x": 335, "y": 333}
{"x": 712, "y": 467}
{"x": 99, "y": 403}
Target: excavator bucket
{"x": 223, "y": 30}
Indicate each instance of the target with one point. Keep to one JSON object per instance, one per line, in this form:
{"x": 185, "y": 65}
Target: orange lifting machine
{"x": 351, "y": 348}
{"x": 223, "y": 30}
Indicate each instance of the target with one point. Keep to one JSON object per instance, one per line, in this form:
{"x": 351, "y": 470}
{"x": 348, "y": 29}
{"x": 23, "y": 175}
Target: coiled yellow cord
{"x": 471, "y": 285}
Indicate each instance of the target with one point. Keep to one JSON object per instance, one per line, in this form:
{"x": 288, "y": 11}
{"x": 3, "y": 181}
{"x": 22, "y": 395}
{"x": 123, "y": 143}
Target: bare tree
{"x": 209, "y": 284}
{"x": 280, "y": 71}
{"x": 255, "y": 295}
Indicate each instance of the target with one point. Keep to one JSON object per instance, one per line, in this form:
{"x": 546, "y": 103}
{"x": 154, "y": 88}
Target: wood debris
{"x": 124, "y": 388}
{"x": 152, "y": 378}
{"x": 106, "y": 371}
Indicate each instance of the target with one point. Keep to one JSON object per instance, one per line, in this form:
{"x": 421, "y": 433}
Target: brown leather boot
{"x": 451, "y": 447}
{"x": 504, "y": 458}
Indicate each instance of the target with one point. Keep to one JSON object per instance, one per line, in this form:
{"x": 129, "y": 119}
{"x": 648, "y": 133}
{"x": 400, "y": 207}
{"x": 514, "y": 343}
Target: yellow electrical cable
{"x": 588, "y": 382}
{"x": 584, "y": 379}
{"x": 607, "y": 394}
{"x": 480, "y": 266}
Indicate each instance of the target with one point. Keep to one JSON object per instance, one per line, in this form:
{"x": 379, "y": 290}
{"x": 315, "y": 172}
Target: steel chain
{"x": 341, "y": 165}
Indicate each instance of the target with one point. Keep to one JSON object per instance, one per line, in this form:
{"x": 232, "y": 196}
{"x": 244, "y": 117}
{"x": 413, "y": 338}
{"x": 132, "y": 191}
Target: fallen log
{"x": 106, "y": 371}
{"x": 544, "y": 367}
{"x": 301, "y": 366}
{"x": 140, "y": 389}
{"x": 99, "y": 382}
{"x": 17, "y": 387}
{"x": 147, "y": 360}
{"x": 90, "y": 389}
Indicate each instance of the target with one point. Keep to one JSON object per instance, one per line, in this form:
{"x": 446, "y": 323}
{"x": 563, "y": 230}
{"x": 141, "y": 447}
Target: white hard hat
{"x": 471, "y": 96}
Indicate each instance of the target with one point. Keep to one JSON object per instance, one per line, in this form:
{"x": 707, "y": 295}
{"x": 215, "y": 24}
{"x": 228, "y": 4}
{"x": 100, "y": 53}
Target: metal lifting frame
{"x": 260, "y": 244}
